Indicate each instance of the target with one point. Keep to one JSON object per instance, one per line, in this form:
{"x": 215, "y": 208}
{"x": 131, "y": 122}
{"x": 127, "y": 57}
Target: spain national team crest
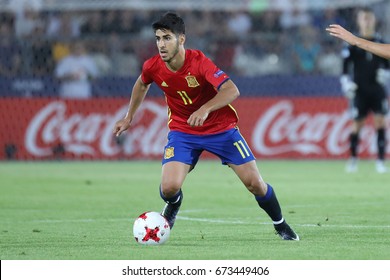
{"x": 169, "y": 152}
{"x": 191, "y": 81}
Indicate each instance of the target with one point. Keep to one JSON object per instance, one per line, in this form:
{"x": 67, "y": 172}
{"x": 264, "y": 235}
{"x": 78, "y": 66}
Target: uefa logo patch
{"x": 218, "y": 73}
{"x": 169, "y": 152}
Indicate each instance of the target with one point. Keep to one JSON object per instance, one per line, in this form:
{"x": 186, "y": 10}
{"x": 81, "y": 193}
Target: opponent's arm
{"x": 226, "y": 94}
{"x": 137, "y": 96}
{"x": 379, "y": 49}
{"x": 348, "y": 85}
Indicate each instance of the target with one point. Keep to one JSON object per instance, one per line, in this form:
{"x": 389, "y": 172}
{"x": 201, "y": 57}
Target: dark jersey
{"x": 362, "y": 66}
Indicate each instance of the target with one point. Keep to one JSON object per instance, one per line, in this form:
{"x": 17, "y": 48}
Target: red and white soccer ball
{"x": 151, "y": 228}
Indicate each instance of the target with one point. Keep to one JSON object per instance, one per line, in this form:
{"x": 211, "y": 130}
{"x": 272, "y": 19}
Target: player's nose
{"x": 161, "y": 44}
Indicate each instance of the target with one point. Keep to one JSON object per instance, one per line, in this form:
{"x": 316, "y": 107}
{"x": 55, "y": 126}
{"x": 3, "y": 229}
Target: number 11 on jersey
{"x": 186, "y": 99}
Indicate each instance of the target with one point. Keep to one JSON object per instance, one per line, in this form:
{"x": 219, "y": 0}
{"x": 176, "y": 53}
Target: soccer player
{"x": 363, "y": 81}
{"x": 200, "y": 117}
{"x": 376, "y": 48}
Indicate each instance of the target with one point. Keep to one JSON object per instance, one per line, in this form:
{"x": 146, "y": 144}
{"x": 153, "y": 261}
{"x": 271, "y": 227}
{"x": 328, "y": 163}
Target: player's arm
{"x": 137, "y": 96}
{"x": 348, "y": 86}
{"x": 226, "y": 94}
{"x": 379, "y": 49}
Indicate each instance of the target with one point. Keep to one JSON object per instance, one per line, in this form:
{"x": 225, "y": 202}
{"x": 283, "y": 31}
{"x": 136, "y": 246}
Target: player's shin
{"x": 381, "y": 134}
{"x": 270, "y": 204}
{"x": 354, "y": 143}
{"x": 172, "y": 206}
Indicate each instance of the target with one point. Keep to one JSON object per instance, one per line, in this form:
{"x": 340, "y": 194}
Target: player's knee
{"x": 256, "y": 187}
{"x": 170, "y": 188}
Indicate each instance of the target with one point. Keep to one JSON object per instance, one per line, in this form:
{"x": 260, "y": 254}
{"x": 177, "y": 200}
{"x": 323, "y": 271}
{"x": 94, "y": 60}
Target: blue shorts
{"x": 229, "y": 146}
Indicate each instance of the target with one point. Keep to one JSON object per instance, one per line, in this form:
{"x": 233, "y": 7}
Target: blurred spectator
{"x": 251, "y": 62}
{"x": 60, "y": 49}
{"x": 7, "y": 18}
{"x": 202, "y": 29}
{"x": 127, "y": 23}
{"x": 323, "y": 18}
{"x": 267, "y": 22}
{"x": 329, "y": 61}
{"x": 110, "y": 22}
{"x": 294, "y": 15}
{"x": 93, "y": 24}
{"x": 75, "y": 72}
{"x": 100, "y": 54}
{"x": 306, "y": 50}
{"x": 41, "y": 53}
{"x": 225, "y": 54}
{"x": 121, "y": 38}
{"x": 267, "y": 34}
{"x": 240, "y": 23}
{"x": 63, "y": 24}
{"x": 27, "y": 16}
{"x": 124, "y": 56}
{"x": 10, "y": 52}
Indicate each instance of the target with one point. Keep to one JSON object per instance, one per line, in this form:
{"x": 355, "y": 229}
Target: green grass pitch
{"x": 85, "y": 211}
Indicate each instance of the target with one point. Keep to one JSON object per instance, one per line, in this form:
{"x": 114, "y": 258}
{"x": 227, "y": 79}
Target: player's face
{"x": 366, "y": 21}
{"x": 168, "y": 44}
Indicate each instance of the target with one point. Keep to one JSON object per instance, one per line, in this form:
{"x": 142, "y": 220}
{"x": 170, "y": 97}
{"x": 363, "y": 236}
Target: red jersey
{"x": 188, "y": 89}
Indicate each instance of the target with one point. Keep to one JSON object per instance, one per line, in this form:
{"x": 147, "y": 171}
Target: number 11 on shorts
{"x": 241, "y": 148}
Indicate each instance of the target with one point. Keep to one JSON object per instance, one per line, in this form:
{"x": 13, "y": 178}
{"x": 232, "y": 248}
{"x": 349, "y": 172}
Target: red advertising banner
{"x": 304, "y": 127}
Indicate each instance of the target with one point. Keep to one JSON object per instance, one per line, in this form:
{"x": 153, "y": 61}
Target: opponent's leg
{"x": 173, "y": 176}
{"x": 352, "y": 164}
{"x": 354, "y": 143}
{"x": 380, "y": 125}
{"x": 265, "y": 197}
{"x": 381, "y": 142}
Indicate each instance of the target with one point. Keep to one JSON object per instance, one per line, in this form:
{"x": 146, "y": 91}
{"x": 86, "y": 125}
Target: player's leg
{"x": 173, "y": 176}
{"x": 380, "y": 125}
{"x": 264, "y": 193}
{"x": 354, "y": 145}
{"x": 265, "y": 197}
{"x": 359, "y": 110}
{"x": 233, "y": 150}
{"x": 380, "y": 107}
{"x": 180, "y": 157}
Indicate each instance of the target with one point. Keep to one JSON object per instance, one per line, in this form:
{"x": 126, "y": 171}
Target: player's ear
{"x": 182, "y": 39}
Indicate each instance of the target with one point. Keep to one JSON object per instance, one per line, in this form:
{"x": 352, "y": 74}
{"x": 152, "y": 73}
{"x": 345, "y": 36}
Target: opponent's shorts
{"x": 229, "y": 146}
{"x": 366, "y": 102}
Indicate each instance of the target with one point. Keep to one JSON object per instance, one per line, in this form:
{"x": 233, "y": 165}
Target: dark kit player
{"x": 200, "y": 117}
{"x": 363, "y": 80}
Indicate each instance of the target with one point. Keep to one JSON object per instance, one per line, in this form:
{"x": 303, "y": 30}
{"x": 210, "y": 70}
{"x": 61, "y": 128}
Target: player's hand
{"x": 338, "y": 31}
{"x": 121, "y": 126}
{"x": 382, "y": 76}
{"x": 348, "y": 87}
{"x": 198, "y": 117}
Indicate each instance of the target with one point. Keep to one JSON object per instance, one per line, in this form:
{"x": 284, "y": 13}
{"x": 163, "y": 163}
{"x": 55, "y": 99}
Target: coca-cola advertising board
{"x": 299, "y": 127}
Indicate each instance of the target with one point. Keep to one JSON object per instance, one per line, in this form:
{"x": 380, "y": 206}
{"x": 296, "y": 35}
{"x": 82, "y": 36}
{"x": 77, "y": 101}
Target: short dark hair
{"x": 366, "y": 9}
{"x": 170, "y": 21}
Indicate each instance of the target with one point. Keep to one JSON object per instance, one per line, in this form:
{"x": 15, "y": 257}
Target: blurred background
{"x": 286, "y": 67}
